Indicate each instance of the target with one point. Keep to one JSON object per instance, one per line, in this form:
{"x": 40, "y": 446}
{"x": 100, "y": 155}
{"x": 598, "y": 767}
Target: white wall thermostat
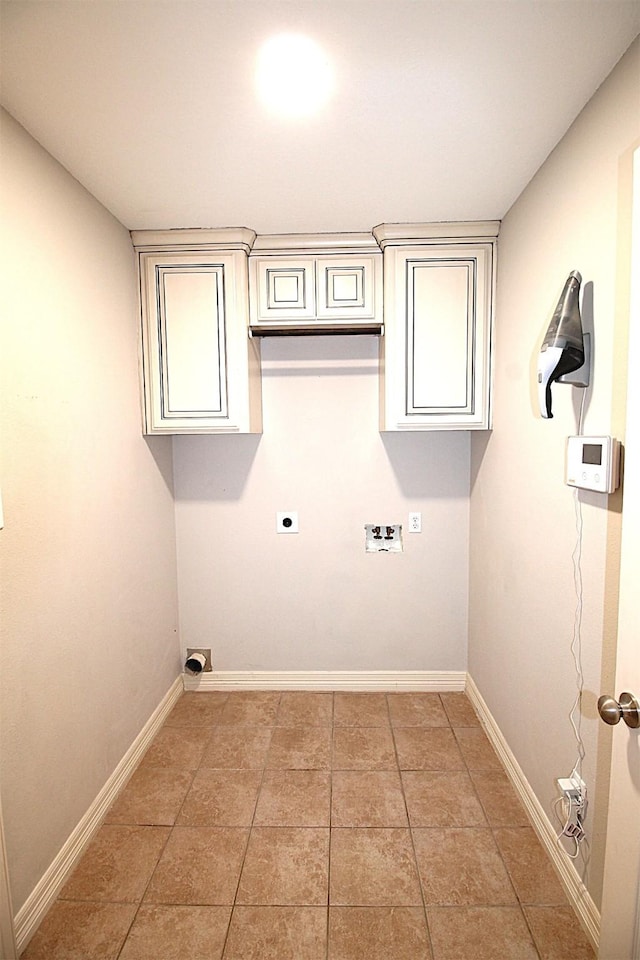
{"x": 593, "y": 463}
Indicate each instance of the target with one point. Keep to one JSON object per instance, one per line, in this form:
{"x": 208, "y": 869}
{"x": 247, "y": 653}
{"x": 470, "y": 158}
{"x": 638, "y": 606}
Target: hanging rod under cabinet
{"x": 309, "y": 330}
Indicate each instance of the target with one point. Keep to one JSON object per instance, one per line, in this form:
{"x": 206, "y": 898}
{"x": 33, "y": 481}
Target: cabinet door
{"x": 195, "y": 345}
{"x": 315, "y": 291}
{"x": 437, "y": 338}
{"x": 283, "y": 289}
{"x": 349, "y": 288}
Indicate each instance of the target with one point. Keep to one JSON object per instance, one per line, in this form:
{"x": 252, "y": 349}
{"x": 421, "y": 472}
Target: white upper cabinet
{"x": 208, "y": 295}
{"x": 315, "y": 282}
{"x": 435, "y": 369}
{"x": 201, "y": 371}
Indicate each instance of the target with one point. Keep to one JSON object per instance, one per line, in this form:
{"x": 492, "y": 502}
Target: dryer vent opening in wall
{"x": 383, "y": 538}
{"x": 198, "y": 661}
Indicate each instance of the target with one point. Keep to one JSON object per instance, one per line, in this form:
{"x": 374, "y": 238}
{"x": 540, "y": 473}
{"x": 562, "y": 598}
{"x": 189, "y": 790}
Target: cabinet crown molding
{"x": 315, "y": 243}
{"x": 454, "y": 230}
{"x": 318, "y": 244}
{"x": 222, "y": 238}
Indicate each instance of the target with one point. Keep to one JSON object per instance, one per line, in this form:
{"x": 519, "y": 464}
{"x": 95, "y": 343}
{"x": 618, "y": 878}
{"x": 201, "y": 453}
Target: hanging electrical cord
{"x": 575, "y": 714}
{"x": 576, "y": 643}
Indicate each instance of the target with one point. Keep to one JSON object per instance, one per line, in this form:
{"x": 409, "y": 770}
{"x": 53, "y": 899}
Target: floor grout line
{"x": 249, "y": 832}
{"x": 411, "y": 835}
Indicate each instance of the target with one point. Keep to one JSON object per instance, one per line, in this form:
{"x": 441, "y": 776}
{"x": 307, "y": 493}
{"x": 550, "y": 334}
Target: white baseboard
{"x": 578, "y": 895}
{"x": 46, "y": 890}
{"x": 431, "y": 681}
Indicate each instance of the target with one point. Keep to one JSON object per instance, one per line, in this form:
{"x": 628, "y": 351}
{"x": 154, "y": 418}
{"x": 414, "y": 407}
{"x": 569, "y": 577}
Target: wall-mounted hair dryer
{"x": 563, "y": 348}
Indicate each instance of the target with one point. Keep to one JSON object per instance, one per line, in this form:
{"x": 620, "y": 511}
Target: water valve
{"x": 383, "y": 538}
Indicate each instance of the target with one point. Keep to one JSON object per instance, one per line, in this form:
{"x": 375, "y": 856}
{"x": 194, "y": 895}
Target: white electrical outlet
{"x": 574, "y": 806}
{"x": 573, "y": 787}
{"x": 574, "y": 793}
{"x": 580, "y": 783}
{"x": 287, "y": 521}
{"x": 415, "y": 522}
{"x": 569, "y": 788}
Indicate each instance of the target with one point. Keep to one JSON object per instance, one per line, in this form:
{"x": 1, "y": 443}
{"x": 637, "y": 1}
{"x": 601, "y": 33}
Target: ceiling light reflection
{"x": 294, "y": 77}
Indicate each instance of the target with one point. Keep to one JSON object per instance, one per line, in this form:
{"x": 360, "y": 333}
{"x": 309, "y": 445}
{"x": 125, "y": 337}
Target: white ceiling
{"x": 443, "y": 109}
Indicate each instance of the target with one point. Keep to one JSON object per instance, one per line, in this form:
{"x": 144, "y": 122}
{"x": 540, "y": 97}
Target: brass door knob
{"x": 613, "y": 711}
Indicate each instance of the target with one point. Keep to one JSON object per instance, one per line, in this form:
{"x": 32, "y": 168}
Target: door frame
{"x": 620, "y": 930}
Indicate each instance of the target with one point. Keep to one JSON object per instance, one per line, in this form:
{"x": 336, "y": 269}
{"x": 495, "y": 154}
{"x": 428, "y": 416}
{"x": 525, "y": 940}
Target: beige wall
{"x": 523, "y": 522}
{"x": 314, "y": 601}
{"x": 89, "y": 644}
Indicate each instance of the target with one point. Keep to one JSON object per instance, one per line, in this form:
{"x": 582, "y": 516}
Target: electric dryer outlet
{"x": 287, "y": 521}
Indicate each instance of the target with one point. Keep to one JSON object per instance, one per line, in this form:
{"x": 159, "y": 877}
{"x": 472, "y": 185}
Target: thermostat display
{"x": 592, "y": 454}
{"x": 593, "y": 463}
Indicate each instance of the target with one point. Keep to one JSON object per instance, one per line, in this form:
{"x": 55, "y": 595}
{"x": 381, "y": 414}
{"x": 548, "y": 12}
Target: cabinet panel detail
{"x": 348, "y": 289}
{"x": 440, "y": 325}
{"x": 288, "y": 290}
{"x": 193, "y": 379}
{"x": 344, "y": 287}
{"x": 284, "y": 290}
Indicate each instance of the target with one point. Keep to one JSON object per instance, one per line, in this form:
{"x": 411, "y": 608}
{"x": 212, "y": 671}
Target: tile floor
{"x": 315, "y": 826}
